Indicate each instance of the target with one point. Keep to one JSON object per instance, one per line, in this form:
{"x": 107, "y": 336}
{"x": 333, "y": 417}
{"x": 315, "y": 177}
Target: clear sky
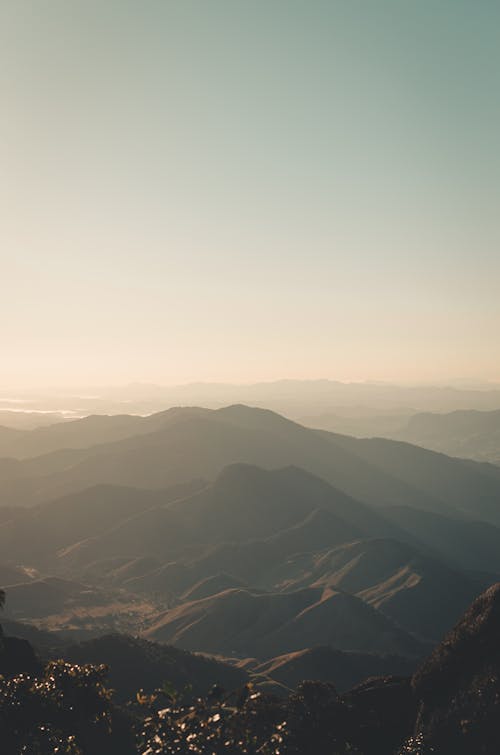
{"x": 244, "y": 190}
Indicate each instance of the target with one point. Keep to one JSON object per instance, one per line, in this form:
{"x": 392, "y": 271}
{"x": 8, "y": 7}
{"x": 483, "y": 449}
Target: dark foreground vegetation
{"x": 450, "y": 705}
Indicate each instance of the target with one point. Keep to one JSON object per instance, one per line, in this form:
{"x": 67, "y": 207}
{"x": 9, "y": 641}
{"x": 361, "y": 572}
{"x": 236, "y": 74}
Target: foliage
{"x": 211, "y": 725}
{"x": 248, "y": 723}
{"x": 317, "y": 720}
{"x": 416, "y": 746}
{"x": 66, "y": 710}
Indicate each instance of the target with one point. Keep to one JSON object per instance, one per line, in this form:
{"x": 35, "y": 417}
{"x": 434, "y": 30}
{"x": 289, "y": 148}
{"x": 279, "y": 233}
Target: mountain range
{"x": 469, "y": 434}
{"x": 465, "y": 433}
{"x": 241, "y": 533}
{"x": 180, "y": 445}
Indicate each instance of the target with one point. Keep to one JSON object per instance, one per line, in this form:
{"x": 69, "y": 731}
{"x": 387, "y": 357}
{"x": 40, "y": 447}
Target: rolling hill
{"x": 43, "y": 530}
{"x": 275, "y": 531}
{"x": 81, "y": 433}
{"x": 244, "y": 503}
{"x": 135, "y": 664}
{"x": 194, "y": 443}
{"x": 344, "y": 669}
{"x": 244, "y": 533}
{"x": 263, "y": 625}
{"x": 463, "y": 543}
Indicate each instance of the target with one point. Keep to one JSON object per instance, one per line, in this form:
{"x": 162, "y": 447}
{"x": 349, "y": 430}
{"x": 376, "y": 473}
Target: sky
{"x": 231, "y": 190}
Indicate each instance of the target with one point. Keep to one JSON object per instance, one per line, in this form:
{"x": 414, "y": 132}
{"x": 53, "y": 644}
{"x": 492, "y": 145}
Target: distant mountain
{"x": 294, "y": 398}
{"x": 238, "y": 531}
{"x": 467, "y": 433}
{"x": 28, "y": 420}
{"x": 439, "y": 483}
{"x": 360, "y": 421}
{"x": 263, "y": 625}
{"x": 304, "y": 397}
{"x": 243, "y": 503}
{"x": 81, "y": 433}
{"x": 194, "y": 443}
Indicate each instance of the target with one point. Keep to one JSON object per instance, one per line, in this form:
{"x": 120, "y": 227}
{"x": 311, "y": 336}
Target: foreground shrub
{"x": 65, "y": 710}
{"x": 247, "y": 723}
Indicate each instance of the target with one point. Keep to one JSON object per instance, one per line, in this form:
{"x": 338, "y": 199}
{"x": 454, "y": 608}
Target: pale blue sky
{"x": 229, "y": 190}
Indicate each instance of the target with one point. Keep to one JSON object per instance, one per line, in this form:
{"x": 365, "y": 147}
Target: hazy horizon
{"x": 241, "y": 192}
{"x": 474, "y": 384}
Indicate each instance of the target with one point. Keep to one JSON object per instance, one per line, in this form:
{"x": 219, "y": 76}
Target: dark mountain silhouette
{"x": 17, "y": 656}
{"x": 458, "y": 687}
{"x": 44, "y": 643}
{"x": 263, "y": 625}
{"x": 344, "y": 669}
{"x": 136, "y": 664}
